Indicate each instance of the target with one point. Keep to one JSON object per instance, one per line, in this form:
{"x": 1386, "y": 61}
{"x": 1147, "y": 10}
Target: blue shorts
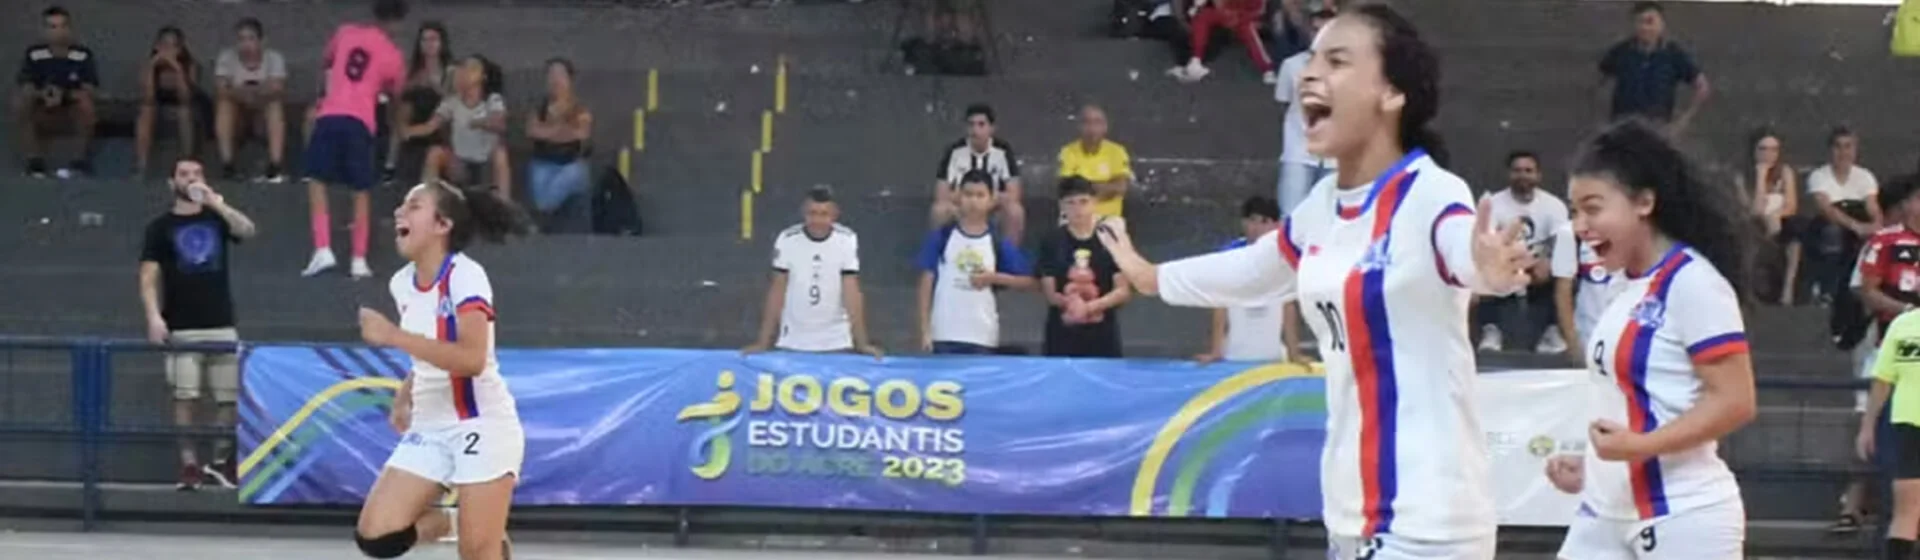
{"x": 341, "y": 152}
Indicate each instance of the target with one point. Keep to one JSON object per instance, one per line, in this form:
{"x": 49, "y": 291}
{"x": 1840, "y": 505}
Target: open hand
{"x": 1863, "y": 444}
{"x": 1113, "y": 234}
{"x": 1500, "y": 256}
{"x": 870, "y": 350}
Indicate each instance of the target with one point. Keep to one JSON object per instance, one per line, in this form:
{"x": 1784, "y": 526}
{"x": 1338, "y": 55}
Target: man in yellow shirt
{"x": 1100, "y": 161}
{"x": 1896, "y": 378}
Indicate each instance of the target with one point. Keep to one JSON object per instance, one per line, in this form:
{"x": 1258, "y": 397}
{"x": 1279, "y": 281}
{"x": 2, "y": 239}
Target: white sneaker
{"x": 360, "y": 268}
{"x": 1551, "y": 343}
{"x": 1194, "y": 71}
{"x": 1270, "y": 78}
{"x": 1490, "y": 339}
{"x": 322, "y": 262}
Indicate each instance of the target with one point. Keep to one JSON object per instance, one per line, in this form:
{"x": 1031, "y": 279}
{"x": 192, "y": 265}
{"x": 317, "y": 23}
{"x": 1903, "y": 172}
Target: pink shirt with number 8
{"x": 361, "y": 63}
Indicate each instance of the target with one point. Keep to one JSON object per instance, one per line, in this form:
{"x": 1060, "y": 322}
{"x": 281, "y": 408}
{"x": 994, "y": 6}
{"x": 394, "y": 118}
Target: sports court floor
{"x": 110, "y": 546}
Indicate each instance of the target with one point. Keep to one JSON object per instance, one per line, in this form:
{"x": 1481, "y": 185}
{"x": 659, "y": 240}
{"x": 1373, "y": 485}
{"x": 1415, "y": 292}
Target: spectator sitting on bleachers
{"x": 429, "y": 79}
{"x": 1242, "y": 18}
{"x": 1775, "y": 189}
{"x": 1100, "y": 161}
{"x": 557, "y": 174}
{"x": 1294, "y": 25}
{"x": 962, "y": 267}
{"x": 814, "y": 300}
{"x": 1299, "y": 170}
{"x": 1265, "y": 333}
{"x": 1641, "y": 73}
{"x": 57, "y": 82}
{"x": 1528, "y": 315}
{"x": 1083, "y": 286}
{"x": 981, "y": 151}
{"x": 188, "y": 297}
{"x": 252, "y": 82}
{"x": 475, "y": 118}
{"x": 1849, "y": 210}
{"x": 169, "y": 80}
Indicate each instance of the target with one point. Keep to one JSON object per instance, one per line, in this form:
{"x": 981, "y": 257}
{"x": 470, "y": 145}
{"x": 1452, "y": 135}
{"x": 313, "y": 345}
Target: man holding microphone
{"x": 188, "y": 299}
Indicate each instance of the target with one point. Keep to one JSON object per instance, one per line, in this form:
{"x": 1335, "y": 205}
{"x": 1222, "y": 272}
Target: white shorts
{"x": 1396, "y": 547}
{"x": 470, "y": 452}
{"x": 1716, "y": 532}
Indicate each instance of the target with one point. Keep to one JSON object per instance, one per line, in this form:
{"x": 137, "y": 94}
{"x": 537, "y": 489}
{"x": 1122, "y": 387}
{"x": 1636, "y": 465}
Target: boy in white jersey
{"x": 459, "y": 428}
{"x": 1384, "y": 254}
{"x": 815, "y": 292}
{"x": 1582, "y": 288}
{"x": 1257, "y": 333}
{"x": 961, "y": 266}
{"x": 1670, "y": 366}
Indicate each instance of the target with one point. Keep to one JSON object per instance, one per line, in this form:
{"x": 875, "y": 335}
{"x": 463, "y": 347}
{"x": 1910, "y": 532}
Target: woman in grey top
{"x": 475, "y": 118}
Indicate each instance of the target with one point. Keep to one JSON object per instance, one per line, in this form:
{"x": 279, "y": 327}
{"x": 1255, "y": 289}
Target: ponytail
{"x": 477, "y": 213}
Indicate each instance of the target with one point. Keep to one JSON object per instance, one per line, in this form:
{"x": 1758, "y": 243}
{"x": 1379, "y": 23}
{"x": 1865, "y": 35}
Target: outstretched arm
{"x": 1256, "y": 274}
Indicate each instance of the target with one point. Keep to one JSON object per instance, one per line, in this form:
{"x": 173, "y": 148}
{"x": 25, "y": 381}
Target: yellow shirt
{"x": 1105, "y": 164}
{"x": 1898, "y": 364}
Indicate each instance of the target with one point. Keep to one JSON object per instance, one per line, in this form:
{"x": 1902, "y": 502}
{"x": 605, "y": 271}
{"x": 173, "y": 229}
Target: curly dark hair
{"x": 476, "y": 214}
{"x": 1689, "y": 206}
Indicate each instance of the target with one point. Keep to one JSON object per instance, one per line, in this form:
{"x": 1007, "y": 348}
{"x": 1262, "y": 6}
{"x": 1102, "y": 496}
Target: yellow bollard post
{"x": 766, "y": 131}
{"x": 758, "y": 170}
{"x": 653, "y": 89}
{"x": 780, "y": 87}
{"x": 640, "y": 129}
{"x": 626, "y": 165}
{"x": 746, "y": 215}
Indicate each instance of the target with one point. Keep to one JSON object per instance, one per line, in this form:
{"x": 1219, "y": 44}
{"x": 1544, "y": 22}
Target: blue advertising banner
{"x": 695, "y": 427}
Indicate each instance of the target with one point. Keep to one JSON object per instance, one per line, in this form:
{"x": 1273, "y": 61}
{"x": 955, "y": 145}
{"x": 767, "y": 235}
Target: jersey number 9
{"x": 813, "y": 294}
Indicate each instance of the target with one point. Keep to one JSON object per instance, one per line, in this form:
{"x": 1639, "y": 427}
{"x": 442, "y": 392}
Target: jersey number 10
{"x": 1335, "y": 329}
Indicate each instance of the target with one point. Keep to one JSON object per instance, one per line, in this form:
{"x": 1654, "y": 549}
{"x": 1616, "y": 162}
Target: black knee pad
{"x": 390, "y": 545}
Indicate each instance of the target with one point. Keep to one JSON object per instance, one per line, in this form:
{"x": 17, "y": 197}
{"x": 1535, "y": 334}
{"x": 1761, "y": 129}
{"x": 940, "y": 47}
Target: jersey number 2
{"x": 1335, "y": 328}
{"x": 357, "y": 61}
{"x": 1600, "y": 358}
{"x": 473, "y": 440}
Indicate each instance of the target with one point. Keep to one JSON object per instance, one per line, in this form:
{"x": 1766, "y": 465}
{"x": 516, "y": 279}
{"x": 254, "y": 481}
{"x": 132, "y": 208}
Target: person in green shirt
{"x": 1896, "y": 378}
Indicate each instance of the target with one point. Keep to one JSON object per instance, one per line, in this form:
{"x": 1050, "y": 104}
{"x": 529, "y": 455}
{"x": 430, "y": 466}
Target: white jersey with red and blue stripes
{"x": 1642, "y": 359}
{"x": 432, "y": 311}
{"x": 1381, "y": 276}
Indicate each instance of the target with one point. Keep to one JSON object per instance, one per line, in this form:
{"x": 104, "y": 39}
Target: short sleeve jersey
{"x": 362, "y": 63}
{"x": 1642, "y": 361}
{"x": 1893, "y": 257}
{"x": 959, "y": 311}
{"x": 1106, "y": 163}
{"x": 814, "y": 318}
{"x": 41, "y": 66}
{"x": 442, "y": 398}
{"x": 1898, "y": 363}
{"x": 998, "y": 160}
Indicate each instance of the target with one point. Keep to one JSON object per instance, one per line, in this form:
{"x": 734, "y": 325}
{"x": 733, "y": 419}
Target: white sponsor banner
{"x": 1530, "y": 415}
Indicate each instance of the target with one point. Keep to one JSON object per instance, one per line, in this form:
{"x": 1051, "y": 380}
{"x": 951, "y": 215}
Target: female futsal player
{"x": 459, "y": 427}
{"x": 1385, "y": 254}
{"x": 1671, "y": 372}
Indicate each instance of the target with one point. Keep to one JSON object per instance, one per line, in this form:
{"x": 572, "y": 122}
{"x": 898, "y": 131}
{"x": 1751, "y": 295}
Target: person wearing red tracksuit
{"x": 1240, "y": 17}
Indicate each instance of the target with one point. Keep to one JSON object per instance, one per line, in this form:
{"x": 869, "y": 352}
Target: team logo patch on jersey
{"x": 1650, "y": 313}
{"x": 1597, "y": 274}
{"x": 1376, "y": 257}
{"x": 445, "y": 307}
{"x": 1906, "y": 350}
{"x": 1540, "y": 446}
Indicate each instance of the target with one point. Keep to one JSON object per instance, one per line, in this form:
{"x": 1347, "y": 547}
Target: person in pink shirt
{"x": 362, "y": 63}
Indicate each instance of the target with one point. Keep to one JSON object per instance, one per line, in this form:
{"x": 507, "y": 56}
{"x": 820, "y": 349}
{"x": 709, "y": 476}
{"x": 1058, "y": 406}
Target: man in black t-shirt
{"x": 55, "y": 90}
{"x": 184, "y": 287}
{"x": 1083, "y": 320}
